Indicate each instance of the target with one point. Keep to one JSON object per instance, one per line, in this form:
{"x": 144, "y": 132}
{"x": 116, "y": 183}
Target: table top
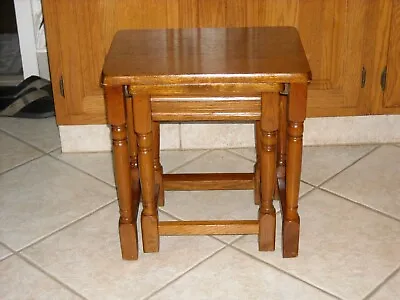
{"x": 205, "y": 55}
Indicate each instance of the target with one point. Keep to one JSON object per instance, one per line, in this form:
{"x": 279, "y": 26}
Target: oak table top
{"x": 202, "y": 55}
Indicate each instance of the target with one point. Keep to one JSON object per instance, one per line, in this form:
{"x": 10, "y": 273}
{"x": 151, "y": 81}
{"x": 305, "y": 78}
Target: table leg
{"x": 282, "y": 143}
{"x": 143, "y": 129}
{"x": 158, "y": 169}
{"x": 133, "y": 154}
{"x": 269, "y": 130}
{"x": 296, "y": 116}
{"x": 115, "y": 102}
{"x": 257, "y": 177}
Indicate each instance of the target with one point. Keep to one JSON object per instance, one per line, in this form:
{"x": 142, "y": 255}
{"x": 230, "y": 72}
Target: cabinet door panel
{"x": 391, "y": 103}
{"x": 333, "y": 39}
{"x": 212, "y": 13}
{"x": 86, "y": 29}
{"x": 182, "y": 13}
{"x": 333, "y": 35}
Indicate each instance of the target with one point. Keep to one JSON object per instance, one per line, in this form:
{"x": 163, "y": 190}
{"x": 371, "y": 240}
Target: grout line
{"x": 25, "y": 142}
{"x": 189, "y": 161}
{"x": 22, "y": 164}
{"x": 209, "y": 235}
{"x": 283, "y": 271}
{"x": 379, "y": 286}
{"x": 305, "y": 194}
{"x": 66, "y": 226}
{"x": 184, "y": 273}
{"x": 169, "y": 214}
{"x": 81, "y": 170}
{"x": 59, "y": 148}
{"x": 12, "y": 251}
{"x": 360, "y": 204}
{"x": 309, "y": 183}
{"x": 240, "y": 155}
{"x": 350, "y": 165}
{"x": 238, "y": 237}
{"x": 51, "y": 276}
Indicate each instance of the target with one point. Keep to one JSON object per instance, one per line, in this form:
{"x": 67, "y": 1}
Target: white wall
{"x": 31, "y": 38}
{"x": 40, "y": 39}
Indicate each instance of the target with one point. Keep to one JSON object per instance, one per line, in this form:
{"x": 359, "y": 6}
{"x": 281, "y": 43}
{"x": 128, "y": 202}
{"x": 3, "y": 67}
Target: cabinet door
{"x": 79, "y": 34}
{"x": 333, "y": 34}
{"x": 391, "y": 99}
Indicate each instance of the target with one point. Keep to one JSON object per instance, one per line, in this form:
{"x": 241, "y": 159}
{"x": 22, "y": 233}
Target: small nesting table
{"x": 209, "y": 74}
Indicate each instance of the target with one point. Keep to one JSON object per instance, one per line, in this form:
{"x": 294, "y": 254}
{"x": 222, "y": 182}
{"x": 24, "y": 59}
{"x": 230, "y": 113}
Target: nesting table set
{"x": 255, "y": 75}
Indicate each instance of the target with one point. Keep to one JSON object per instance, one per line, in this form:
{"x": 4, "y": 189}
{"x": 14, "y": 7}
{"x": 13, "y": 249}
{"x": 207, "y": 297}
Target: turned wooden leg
{"x": 115, "y": 103}
{"x": 133, "y": 154}
{"x": 257, "y": 176}
{"x": 291, "y": 220}
{"x": 269, "y": 130}
{"x": 282, "y": 137}
{"x": 149, "y": 218}
{"x": 158, "y": 169}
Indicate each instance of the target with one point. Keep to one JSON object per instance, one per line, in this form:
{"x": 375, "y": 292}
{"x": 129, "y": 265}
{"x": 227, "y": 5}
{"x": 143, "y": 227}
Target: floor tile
{"x": 100, "y": 164}
{"x": 208, "y": 205}
{"x": 171, "y": 159}
{"x": 232, "y": 275}
{"x": 372, "y": 181}
{"x": 14, "y": 153}
{"x": 20, "y": 280}
{"x": 390, "y": 290}
{"x": 320, "y": 163}
{"x": 4, "y": 252}
{"x": 218, "y": 161}
{"x": 218, "y": 205}
{"x": 86, "y": 256}
{"x": 42, "y": 133}
{"x": 345, "y": 249}
{"x": 43, "y": 196}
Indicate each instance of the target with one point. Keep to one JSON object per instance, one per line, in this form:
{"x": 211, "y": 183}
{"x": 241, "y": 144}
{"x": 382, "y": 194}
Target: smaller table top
{"x": 205, "y": 55}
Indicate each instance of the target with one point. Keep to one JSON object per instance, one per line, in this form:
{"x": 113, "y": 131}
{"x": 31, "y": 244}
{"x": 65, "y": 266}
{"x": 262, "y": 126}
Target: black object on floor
{"x": 32, "y": 98}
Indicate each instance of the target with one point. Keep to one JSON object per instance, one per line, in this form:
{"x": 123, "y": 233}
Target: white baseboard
{"x": 318, "y": 131}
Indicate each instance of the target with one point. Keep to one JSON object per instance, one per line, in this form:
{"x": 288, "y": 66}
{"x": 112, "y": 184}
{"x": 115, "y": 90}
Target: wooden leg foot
{"x": 129, "y": 241}
{"x": 290, "y": 238}
{"x": 150, "y": 236}
{"x": 266, "y": 236}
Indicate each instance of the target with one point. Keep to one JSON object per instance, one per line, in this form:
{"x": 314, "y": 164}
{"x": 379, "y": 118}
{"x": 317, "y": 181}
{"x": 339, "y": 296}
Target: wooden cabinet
{"x": 341, "y": 39}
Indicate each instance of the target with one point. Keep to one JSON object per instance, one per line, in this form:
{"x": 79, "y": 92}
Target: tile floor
{"x": 58, "y": 227}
